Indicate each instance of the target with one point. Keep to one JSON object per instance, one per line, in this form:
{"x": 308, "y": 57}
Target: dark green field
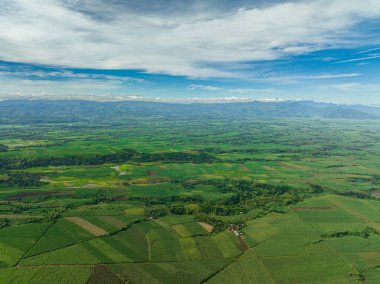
{"x": 244, "y": 200}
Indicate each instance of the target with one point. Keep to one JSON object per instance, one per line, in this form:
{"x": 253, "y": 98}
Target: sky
{"x": 191, "y": 50}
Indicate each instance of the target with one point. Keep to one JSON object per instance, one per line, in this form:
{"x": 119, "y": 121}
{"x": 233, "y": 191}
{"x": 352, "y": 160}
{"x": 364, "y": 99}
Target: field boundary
{"x": 42, "y": 235}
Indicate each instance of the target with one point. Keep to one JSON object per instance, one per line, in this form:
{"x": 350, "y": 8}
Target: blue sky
{"x": 184, "y": 51}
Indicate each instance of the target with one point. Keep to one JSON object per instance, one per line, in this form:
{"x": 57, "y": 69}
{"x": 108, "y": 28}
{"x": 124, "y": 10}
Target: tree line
{"x": 244, "y": 195}
{"x": 22, "y": 179}
{"x": 127, "y": 155}
{"x": 3, "y": 148}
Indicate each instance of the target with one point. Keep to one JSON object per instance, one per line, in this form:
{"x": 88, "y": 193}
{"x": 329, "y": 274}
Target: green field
{"x": 167, "y": 201}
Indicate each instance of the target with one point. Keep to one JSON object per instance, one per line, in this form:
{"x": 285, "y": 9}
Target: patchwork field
{"x": 165, "y": 201}
{"x": 313, "y": 246}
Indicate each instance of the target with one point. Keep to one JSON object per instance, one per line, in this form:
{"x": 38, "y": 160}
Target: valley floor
{"x": 277, "y": 201}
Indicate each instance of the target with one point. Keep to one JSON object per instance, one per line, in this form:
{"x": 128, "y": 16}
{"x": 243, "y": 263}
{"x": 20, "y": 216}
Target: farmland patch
{"x": 96, "y": 231}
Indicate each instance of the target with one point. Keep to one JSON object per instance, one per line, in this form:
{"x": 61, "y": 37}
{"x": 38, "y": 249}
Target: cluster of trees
{"x": 249, "y": 195}
{"x": 180, "y": 157}
{"x": 167, "y": 200}
{"x": 315, "y": 188}
{"x": 127, "y": 155}
{"x": 55, "y": 214}
{"x": 99, "y": 198}
{"x": 365, "y": 233}
{"x": 174, "y": 204}
{"x": 3, "y": 148}
{"x": 156, "y": 211}
{"x": 220, "y": 225}
{"x": 246, "y": 195}
{"x": 23, "y": 179}
{"x": 24, "y": 163}
{"x": 179, "y": 210}
{"x": 4, "y": 223}
{"x": 252, "y": 151}
{"x": 356, "y": 194}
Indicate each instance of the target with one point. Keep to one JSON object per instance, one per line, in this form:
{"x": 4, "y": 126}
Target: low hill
{"x": 55, "y": 111}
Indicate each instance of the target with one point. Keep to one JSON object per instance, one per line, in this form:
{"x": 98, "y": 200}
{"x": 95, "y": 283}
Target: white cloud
{"x": 48, "y": 32}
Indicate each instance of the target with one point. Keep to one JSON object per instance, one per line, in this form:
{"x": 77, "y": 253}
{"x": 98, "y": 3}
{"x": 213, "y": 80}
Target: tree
{"x": 178, "y": 210}
{"x": 3, "y": 148}
{"x": 4, "y": 223}
{"x": 23, "y": 179}
{"x": 156, "y": 212}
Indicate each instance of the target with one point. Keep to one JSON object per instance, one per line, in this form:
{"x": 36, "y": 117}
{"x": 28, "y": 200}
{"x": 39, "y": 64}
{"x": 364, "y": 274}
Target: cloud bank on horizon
{"x": 326, "y": 50}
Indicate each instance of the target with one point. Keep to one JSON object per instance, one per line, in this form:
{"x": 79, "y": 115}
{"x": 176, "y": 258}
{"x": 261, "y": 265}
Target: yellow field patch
{"x": 208, "y": 227}
{"x": 95, "y": 230}
{"x": 269, "y": 168}
{"x": 134, "y": 211}
{"x": 244, "y": 169}
{"x": 190, "y": 248}
{"x": 181, "y": 230}
{"x": 18, "y": 216}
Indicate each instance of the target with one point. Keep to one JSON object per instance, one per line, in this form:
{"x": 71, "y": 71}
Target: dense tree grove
{"x": 127, "y": 155}
{"x": 218, "y": 224}
{"x": 355, "y": 194}
{"x": 246, "y": 195}
{"x": 3, "y": 148}
{"x": 249, "y": 195}
{"x": 178, "y": 210}
{"x": 156, "y": 211}
{"x": 4, "y": 223}
{"x": 365, "y": 233}
{"x": 23, "y": 179}
{"x": 167, "y": 200}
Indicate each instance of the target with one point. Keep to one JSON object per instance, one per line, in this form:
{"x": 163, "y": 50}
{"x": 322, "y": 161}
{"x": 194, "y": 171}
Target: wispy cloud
{"x": 300, "y": 77}
{"x": 347, "y": 86}
{"x": 26, "y": 82}
{"x": 368, "y": 50}
{"x": 64, "y": 33}
{"x": 61, "y": 74}
{"x": 359, "y": 59}
{"x": 229, "y": 90}
{"x": 329, "y": 76}
{"x": 127, "y": 97}
{"x": 206, "y": 88}
{"x": 358, "y": 88}
{"x": 13, "y": 88}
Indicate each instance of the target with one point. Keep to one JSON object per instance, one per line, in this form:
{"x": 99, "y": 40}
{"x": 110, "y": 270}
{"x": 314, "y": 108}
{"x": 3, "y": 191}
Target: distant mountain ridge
{"x": 54, "y": 111}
